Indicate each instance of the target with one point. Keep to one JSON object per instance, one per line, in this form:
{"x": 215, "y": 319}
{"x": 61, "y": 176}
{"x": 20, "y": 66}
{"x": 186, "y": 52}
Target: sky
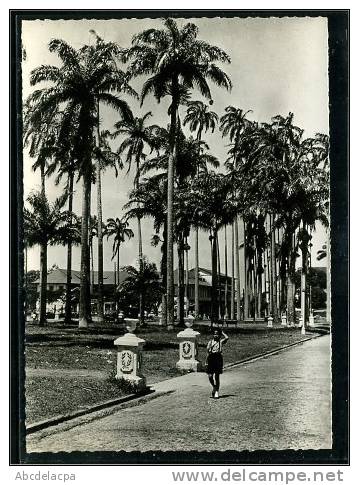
{"x": 278, "y": 65}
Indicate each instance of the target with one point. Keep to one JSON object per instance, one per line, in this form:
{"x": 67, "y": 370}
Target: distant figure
{"x": 215, "y": 360}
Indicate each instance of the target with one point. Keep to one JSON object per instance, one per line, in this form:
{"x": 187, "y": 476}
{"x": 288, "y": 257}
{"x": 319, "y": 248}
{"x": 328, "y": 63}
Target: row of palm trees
{"x": 274, "y": 180}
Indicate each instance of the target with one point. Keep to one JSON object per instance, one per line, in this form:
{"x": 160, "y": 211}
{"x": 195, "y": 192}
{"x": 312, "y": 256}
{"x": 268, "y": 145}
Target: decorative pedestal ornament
{"x": 188, "y": 347}
{"x": 284, "y": 320}
{"x": 311, "y": 320}
{"x": 301, "y": 321}
{"x": 129, "y": 355}
{"x": 83, "y": 323}
{"x": 270, "y": 322}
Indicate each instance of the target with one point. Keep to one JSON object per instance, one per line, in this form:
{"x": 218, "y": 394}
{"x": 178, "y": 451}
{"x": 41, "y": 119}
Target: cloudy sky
{"x": 278, "y": 65}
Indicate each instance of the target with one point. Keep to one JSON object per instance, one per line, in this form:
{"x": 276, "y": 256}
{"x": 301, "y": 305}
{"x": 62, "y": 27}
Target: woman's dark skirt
{"x": 215, "y": 363}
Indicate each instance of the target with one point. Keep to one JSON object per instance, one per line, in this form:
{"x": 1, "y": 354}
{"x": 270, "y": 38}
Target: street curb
{"x": 61, "y": 418}
{"x": 271, "y": 352}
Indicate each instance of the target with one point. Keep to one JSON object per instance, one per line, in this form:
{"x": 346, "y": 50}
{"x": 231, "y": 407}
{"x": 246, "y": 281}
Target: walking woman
{"x": 215, "y": 359}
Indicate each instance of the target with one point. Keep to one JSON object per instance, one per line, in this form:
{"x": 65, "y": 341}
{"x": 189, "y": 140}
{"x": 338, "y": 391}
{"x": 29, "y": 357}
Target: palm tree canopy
{"x": 192, "y": 155}
{"x": 47, "y": 223}
{"x": 86, "y": 77}
{"x": 211, "y": 202}
{"x": 144, "y": 280}
{"x": 137, "y": 136}
{"x": 199, "y": 117}
{"x": 174, "y": 57}
{"x": 120, "y": 230}
{"x": 149, "y": 199}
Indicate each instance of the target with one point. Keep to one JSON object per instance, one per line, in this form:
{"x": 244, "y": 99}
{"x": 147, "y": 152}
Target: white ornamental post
{"x": 311, "y": 319}
{"x": 270, "y": 321}
{"x": 284, "y": 320}
{"x": 302, "y": 325}
{"x": 188, "y": 347}
{"x": 129, "y": 355}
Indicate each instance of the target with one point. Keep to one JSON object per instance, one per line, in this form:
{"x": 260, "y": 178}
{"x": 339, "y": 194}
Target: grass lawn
{"x": 53, "y": 348}
{"x": 49, "y": 396}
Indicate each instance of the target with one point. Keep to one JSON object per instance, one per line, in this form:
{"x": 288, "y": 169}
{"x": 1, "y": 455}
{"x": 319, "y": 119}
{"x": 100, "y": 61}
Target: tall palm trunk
{"x": 274, "y": 309}
{"x": 214, "y": 299}
{"x": 139, "y": 229}
{"x": 291, "y": 283}
{"x": 170, "y": 176}
{"x": 85, "y": 302}
{"x": 329, "y": 307}
{"x": 236, "y": 254}
{"x": 186, "y": 286}
{"x": 278, "y": 277}
{"x": 268, "y": 287}
{"x": 226, "y": 274}
{"x": 164, "y": 276}
{"x": 42, "y": 174}
{"x": 303, "y": 286}
{"x": 68, "y": 305}
{"x": 26, "y": 280}
{"x": 118, "y": 267}
{"x": 196, "y": 275}
{"x": 43, "y": 262}
{"x": 180, "y": 281}
{"x": 232, "y": 279}
{"x": 246, "y": 276}
{"x": 100, "y": 317}
{"x": 118, "y": 280}
{"x": 196, "y": 255}
{"x": 92, "y": 278}
{"x": 219, "y": 280}
{"x": 43, "y": 282}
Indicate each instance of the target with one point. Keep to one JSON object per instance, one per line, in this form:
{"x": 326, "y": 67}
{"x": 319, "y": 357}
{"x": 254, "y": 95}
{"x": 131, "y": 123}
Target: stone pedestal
{"x": 188, "y": 350}
{"x": 311, "y": 320}
{"x": 270, "y": 322}
{"x": 284, "y": 320}
{"x": 129, "y": 358}
{"x": 302, "y": 325}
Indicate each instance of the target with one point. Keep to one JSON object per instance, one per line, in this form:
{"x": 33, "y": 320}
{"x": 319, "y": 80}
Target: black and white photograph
{"x": 176, "y": 233}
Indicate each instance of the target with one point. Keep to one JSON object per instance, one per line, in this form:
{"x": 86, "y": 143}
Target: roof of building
{"x": 205, "y": 276}
{"x": 59, "y": 275}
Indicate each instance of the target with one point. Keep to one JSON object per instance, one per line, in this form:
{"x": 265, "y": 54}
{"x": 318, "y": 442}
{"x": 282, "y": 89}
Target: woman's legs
{"x": 211, "y": 380}
{"x": 217, "y": 382}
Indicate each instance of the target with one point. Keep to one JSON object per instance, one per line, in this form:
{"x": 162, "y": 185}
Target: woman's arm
{"x": 225, "y": 338}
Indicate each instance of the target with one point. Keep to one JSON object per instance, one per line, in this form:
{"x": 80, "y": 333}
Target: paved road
{"x": 279, "y": 402}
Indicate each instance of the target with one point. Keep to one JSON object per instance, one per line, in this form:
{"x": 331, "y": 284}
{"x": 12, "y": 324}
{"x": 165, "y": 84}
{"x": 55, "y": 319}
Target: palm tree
{"x": 321, "y": 254}
{"x": 149, "y": 200}
{"x": 105, "y": 158}
{"x": 64, "y": 164}
{"x": 213, "y": 208}
{"x": 85, "y": 79}
{"x": 200, "y": 119}
{"x": 143, "y": 281}
{"x": 118, "y": 228}
{"x": 176, "y": 60}
{"x": 235, "y": 125}
{"x": 45, "y": 224}
{"x": 137, "y": 137}
{"x": 93, "y": 232}
{"x": 40, "y": 134}
{"x": 193, "y": 157}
